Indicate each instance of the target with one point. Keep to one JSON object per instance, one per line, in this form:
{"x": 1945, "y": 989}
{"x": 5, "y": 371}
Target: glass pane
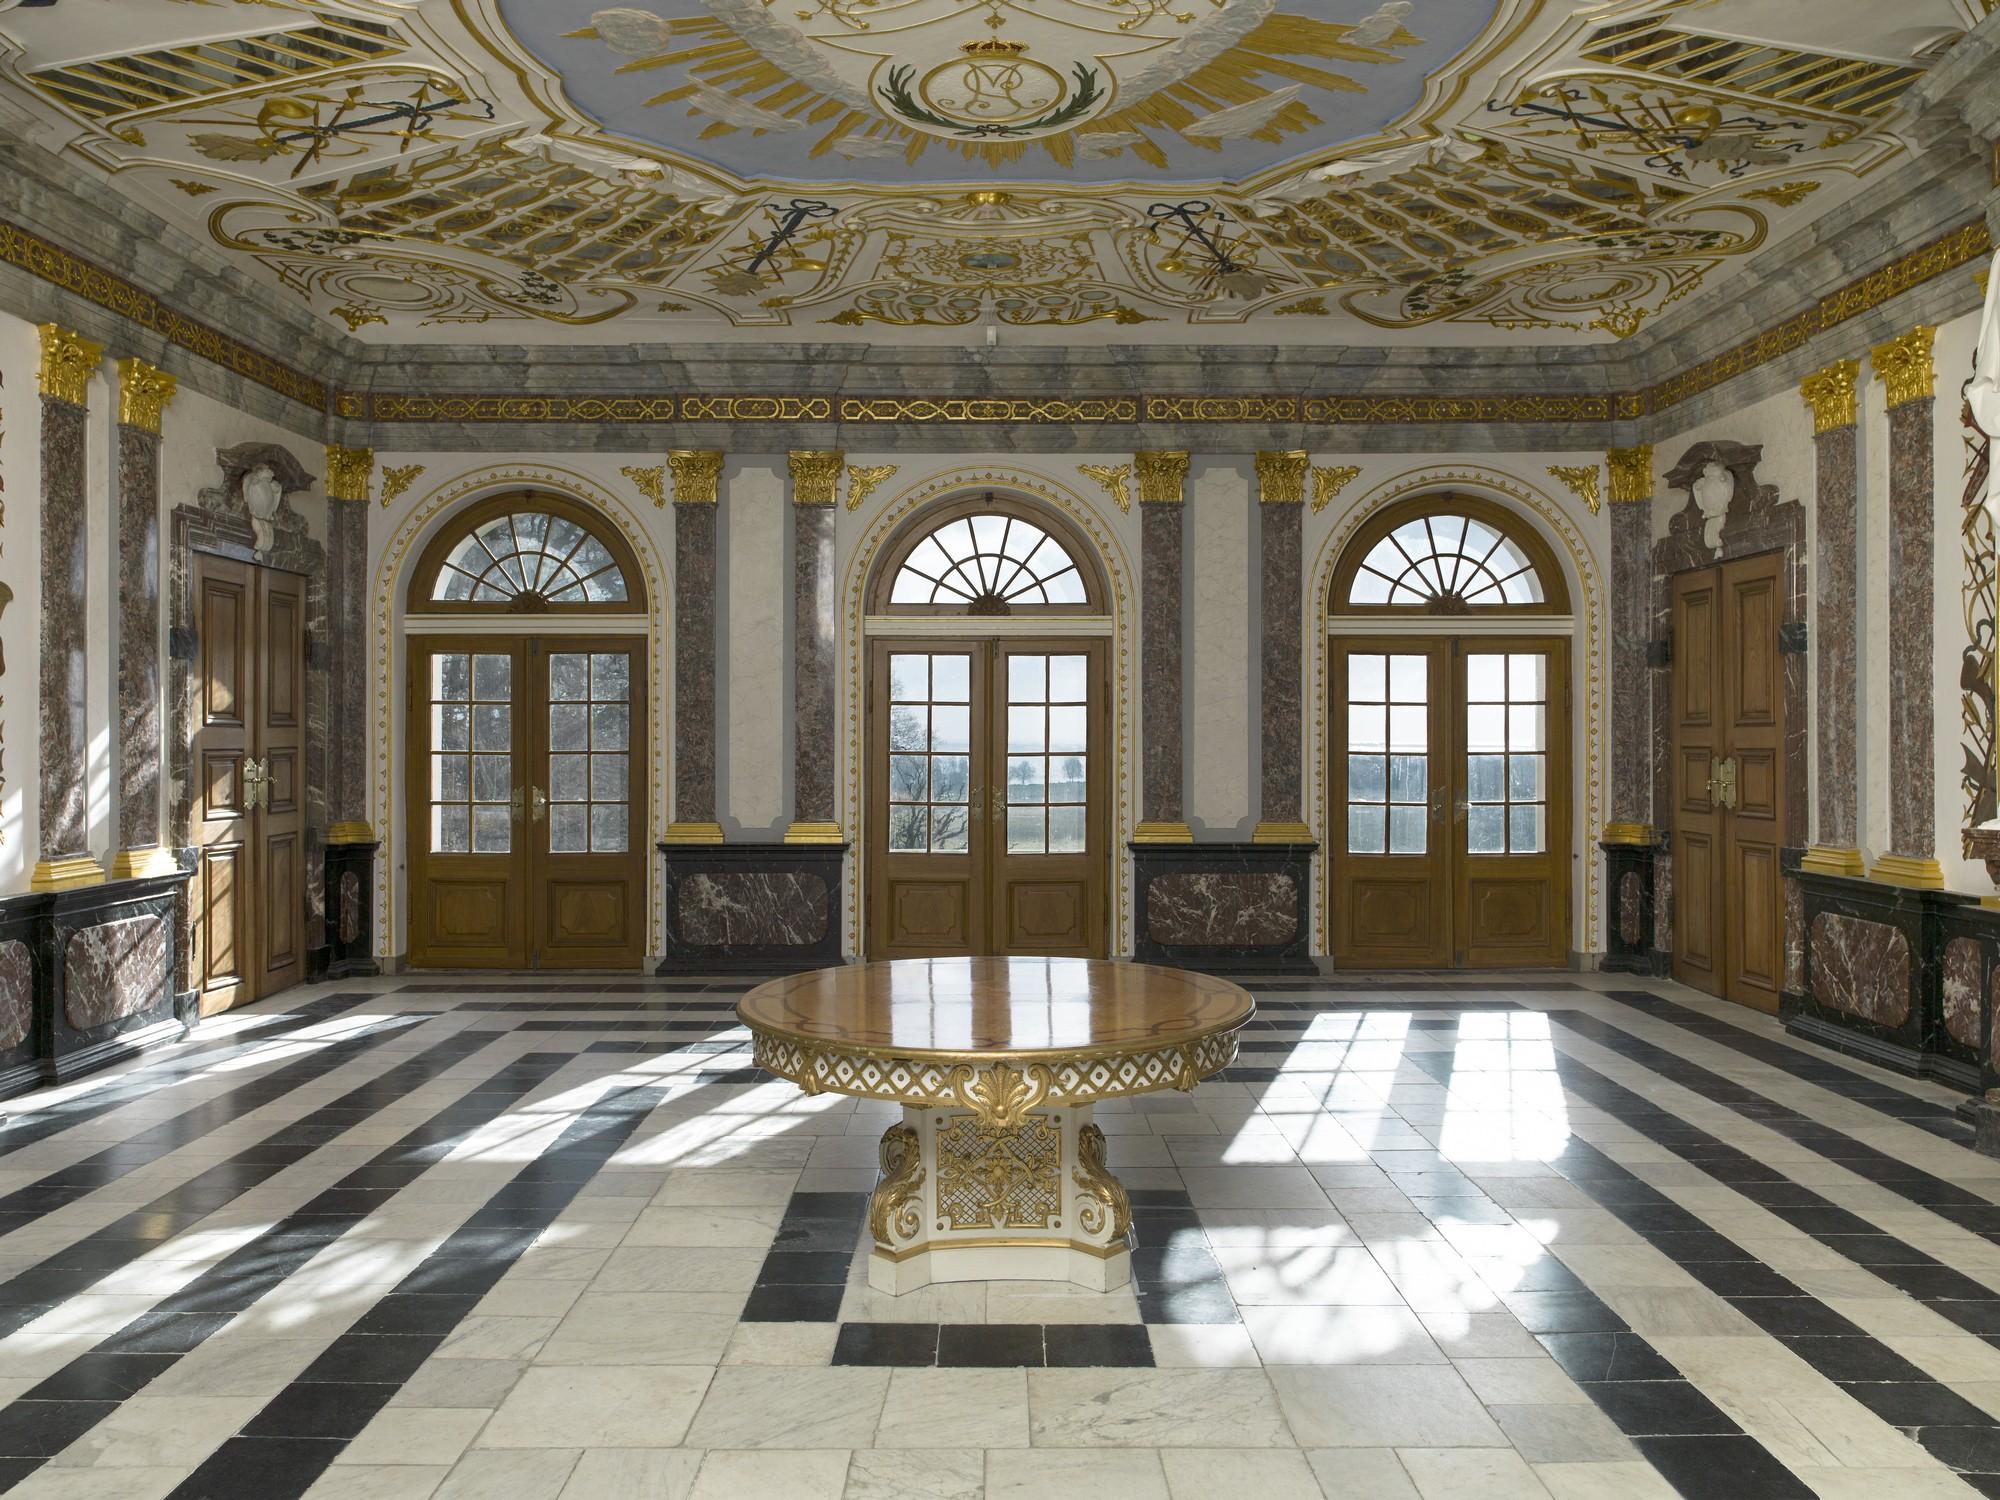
{"x": 451, "y": 676}
{"x": 607, "y": 778}
{"x": 1524, "y": 727}
{"x": 1066, "y": 588}
{"x": 908, "y": 778}
{"x": 909, "y": 679}
{"x": 1409, "y": 727}
{"x": 949, "y": 777}
{"x": 569, "y": 829}
{"x": 1441, "y": 555}
{"x": 1408, "y": 679}
{"x": 1069, "y": 679}
{"x": 492, "y": 777}
{"x": 1368, "y": 728}
{"x": 1408, "y": 775}
{"x": 1067, "y": 781}
{"x": 1485, "y": 830}
{"x": 610, "y": 725}
{"x": 1367, "y": 778}
{"x": 1069, "y": 729}
{"x": 1524, "y": 778}
{"x": 1367, "y": 679}
{"x": 606, "y": 587}
{"x": 491, "y": 726}
{"x": 1482, "y": 777}
{"x": 449, "y": 781}
{"x": 569, "y": 676}
{"x": 492, "y": 678}
{"x": 1364, "y": 830}
{"x": 607, "y": 828}
{"x": 1025, "y": 728}
{"x": 1485, "y": 729}
{"x": 911, "y": 588}
{"x": 1024, "y": 831}
{"x": 1025, "y": 780}
{"x": 611, "y": 676}
{"x": 1369, "y": 588}
{"x": 950, "y": 830}
{"x": 951, "y": 679}
{"x": 1527, "y": 677}
{"x": 951, "y": 729}
{"x": 1485, "y": 679}
{"x": 569, "y": 726}
{"x": 1524, "y": 832}
{"x": 1066, "y": 830}
{"x": 569, "y": 778}
{"x": 492, "y": 829}
{"x": 909, "y": 728}
{"x": 450, "y": 830}
{"x": 451, "y": 726}
{"x": 1406, "y": 830}
{"x": 1027, "y": 679}
{"x": 909, "y": 830}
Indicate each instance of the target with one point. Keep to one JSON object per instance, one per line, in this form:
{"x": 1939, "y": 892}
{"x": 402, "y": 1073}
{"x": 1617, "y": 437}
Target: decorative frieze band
{"x": 1830, "y": 394}
{"x": 143, "y": 394}
{"x": 697, "y": 475}
{"x": 816, "y": 475}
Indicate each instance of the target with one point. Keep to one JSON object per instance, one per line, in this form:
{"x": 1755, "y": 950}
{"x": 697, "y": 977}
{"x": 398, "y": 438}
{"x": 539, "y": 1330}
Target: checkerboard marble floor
{"x": 1553, "y": 1236}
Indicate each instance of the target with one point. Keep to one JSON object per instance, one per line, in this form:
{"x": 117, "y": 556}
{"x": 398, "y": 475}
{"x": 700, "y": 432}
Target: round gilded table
{"x": 996, "y": 1171}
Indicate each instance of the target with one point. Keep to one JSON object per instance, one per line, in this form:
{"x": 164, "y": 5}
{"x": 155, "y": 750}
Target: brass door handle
{"x": 518, "y": 802}
{"x": 1722, "y": 781}
{"x": 540, "y": 802}
{"x": 256, "y": 784}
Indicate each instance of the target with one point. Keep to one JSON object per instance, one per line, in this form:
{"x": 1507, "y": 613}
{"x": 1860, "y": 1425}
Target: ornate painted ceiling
{"x": 1265, "y": 171}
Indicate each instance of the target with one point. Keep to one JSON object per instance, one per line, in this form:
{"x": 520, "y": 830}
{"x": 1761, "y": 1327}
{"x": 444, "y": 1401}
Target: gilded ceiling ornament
{"x": 1114, "y": 479}
{"x": 396, "y": 479}
{"x": 1582, "y": 481}
{"x": 1305, "y": 307}
{"x": 696, "y": 473}
{"x": 862, "y": 481}
{"x": 68, "y": 360}
{"x": 143, "y": 394}
{"x": 313, "y": 126}
{"x": 1785, "y": 194}
{"x": 816, "y": 475}
{"x": 1162, "y": 475}
{"x": 1904, "y": 365}
{"x": 1281, "y": 476}
{"x": 652, "y": 482}
{"x": 191, "y": 188}
{"x": 1619, "y": 322}
{"x": 355, "y": 315}
{"x": 1631, "y": 471}
{"x": 348, "y": 472}
{"x": 1329, "y": 481}
{"x": 1830, "y": 394}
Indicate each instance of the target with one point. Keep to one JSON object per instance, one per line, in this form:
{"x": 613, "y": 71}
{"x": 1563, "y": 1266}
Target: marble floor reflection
{"x": 1548, "y": 1236}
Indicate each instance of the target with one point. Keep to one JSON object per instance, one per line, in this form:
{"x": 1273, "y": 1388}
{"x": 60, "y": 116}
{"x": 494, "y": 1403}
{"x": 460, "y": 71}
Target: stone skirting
{"x": 1225, "y": 908}
{"x": 758, "y": 908}
{"x": 86, "y": 978}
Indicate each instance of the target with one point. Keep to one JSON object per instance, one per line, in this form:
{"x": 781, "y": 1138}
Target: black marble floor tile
{"x": 268, "y": 1468}
{"x": 794, "y": 1304}
{"x": 908, "y": 1344}
{"x": 1078, "y": 1345}
{"x": 314, "y": 1409}
{"x": 1659, "y": 1408}
{"x": 990, "y": 1344}
{"x": 1722, "y": 1468}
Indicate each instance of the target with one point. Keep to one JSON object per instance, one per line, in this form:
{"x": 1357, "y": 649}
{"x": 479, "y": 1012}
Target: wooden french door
{"x": 526, "y": 789}
{"x": 1450, "y": 814}
{"x": 248, "y": 892}
{"x": 1728, "y": 742}
{"x": 988, "y": 822}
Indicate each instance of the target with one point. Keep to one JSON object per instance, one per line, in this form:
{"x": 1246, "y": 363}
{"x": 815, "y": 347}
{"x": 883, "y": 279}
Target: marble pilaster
{"x": 696, "y": 475}
{"x": 1281, "y": 493}
{"x": 815, "y": 666}
{"x": 1631, "y": 519}
{"x": 143, "y": 394}
{"x": 1904, "y": 365}
{"x": 1830, "y": 394}
{"x": 348, "y": 471}
{"x": 1162, "y": 800}
{"x": 67, "y": 364}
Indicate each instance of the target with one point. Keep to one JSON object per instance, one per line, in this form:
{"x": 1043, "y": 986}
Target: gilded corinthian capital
{"x": 67, "y": 361}
{"x": 816, "y": 475}
{"x": 1281, "y": 476}
{"x": 1162, "y": 475}
{"x": 696, "y": 473}
{"x": 143, "y": 394}
{"x": 1904, "y": 365}
{"x": 1830, "y": 394}
{"x": 1631, "y": 472}
{"x": 349, "y": 471}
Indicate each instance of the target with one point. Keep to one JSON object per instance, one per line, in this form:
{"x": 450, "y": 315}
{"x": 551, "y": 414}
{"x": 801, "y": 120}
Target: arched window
{"x": 988, "y": 557}
{"x": 1448, "y": 555}
{"x": 527, "y": 554}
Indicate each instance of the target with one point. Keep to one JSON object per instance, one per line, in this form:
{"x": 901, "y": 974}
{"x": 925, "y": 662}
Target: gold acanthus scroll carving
{"x": 143, "y": 394}
{"x": 68, "y": 358}
{"x": 1329, "y": 480}
{"x": 896, "y": 1209}
{"x": 1830, "y": 394}
{"x": 1582, "y": 481}
{"x": 1105, "y": 1203}
{"x": 697, "y": 475}
{"x": 1113, "y": 479}
{"x": 1000, "y": 1095}
{"x": 863, "y": 479}
{"x": 650, "y": 480}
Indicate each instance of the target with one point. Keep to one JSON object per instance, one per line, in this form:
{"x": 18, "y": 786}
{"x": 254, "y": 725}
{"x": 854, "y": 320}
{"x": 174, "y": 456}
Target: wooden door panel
{"x": 1697, "y": 744}
{"x": 1390, "y": 922}
{"x": 278, "y": 744}
{"x": 221, "y": 906}
{"x": 284, "y": 905}
{"x": 1751, "y": 692}
{"x": 1756, "y": 933}
{"x": 222, "y": 616}
{"x": 226, "y": 959}
{"x": 467, "y": 920}
{"x": 1048, "y": 917}
{"x": 588, "y": 917}
{"x": 926, "y": 918}
{"x": 1511, "y": 838}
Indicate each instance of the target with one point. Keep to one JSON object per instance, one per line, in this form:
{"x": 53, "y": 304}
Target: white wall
{"x": 20, "y": 623}
{"x": 1222, "y": 558}
{"x": 752, "y": 646}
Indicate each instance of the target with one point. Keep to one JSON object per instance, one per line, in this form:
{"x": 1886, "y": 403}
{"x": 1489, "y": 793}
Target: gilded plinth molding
{"x": 1162, "y": 833}
{"x": 143, "y": 864}
{"x": 143, "y": 394}
{"x": 350, "y": 831}
{"x": 1832, "y": 859}
{"x": 1281, "y": 833}
{"x": 814, "y": 832}
{"x": 65, "y": 874}
{"x": 692, "y": 833}
{"x": 1829, "y": 392}
{"x": 1918, "y": 872}
{"x": 1629, "y": 834}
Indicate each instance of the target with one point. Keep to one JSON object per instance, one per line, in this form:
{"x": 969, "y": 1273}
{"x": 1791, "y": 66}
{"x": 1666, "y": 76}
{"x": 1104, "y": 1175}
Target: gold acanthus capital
{"x": 816, "y": 475}
{"x": 1631, "y": 471}
{"x": 697, "y": 474}
{"x": 1905, "y": 367}
{"x": 349, "y": 472}
{"x": 1281, "y": 476}
{"x": 1830, "y": 394}
{"x": 143, "y": 393}
{"x": 1162, "y": 474}
{"x": 68, "y": 358}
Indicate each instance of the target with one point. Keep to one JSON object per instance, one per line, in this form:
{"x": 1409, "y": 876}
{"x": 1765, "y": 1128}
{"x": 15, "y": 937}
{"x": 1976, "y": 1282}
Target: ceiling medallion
{"x": 994, "y": 90}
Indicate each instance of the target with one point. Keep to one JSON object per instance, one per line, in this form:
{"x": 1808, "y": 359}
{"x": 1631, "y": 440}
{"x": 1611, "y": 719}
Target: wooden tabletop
{"x": 965, "y": 1007}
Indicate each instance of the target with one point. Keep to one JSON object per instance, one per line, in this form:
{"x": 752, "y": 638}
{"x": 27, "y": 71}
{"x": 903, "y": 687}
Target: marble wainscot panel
{"x": 1965, "y": 971}
{"x": 1224, "y": 908}
{"x": 1631, "y": 870}
{"x": 752, "y": 908}
{"x": 86, "y": 978}
{"x": 350, "y": 899}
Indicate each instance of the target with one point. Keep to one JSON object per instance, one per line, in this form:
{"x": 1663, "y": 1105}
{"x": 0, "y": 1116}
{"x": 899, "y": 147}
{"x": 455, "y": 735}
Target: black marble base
{"x": 350, "y": 907}
{"x": 751, "y": 908}
{"x": 1629, "y": 944}
{"x": 86, "y": 978}
{"x": 1224, "y": 908}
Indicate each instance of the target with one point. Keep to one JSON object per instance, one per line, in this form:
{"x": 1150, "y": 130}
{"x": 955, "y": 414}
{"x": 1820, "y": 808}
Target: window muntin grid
{"x": 1445, "y": 557}
{"x": 472, "y": 752}
{"x": 992, "y": 559}
{"x": 930, "y": 752}
{"x": 1388, "y": 753}
{"x": 529, "y": 555}
{"x": 1506, "y": 752}
{"x": 1048, "y": 753}
{"x": 590, "y": 744}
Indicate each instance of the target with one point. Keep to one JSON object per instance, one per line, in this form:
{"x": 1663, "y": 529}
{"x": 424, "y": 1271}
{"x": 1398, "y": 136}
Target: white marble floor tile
{"x": 797, "y": 1474}
{"x": 1154, "y": 1409}
{"x": 750, "y": 1406}
{"x": 601, "y": 1406}
{"x": 1383, "y": 1406}
{"x": 1042, "y": 1473}
{"x": 916, "y": 1474}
